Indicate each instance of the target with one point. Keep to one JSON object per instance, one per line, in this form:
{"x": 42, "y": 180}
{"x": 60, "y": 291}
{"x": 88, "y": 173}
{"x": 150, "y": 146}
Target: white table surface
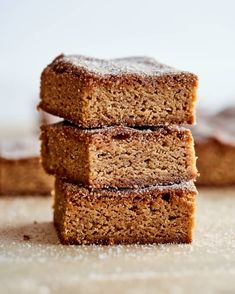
{"x": 42, "y": 265}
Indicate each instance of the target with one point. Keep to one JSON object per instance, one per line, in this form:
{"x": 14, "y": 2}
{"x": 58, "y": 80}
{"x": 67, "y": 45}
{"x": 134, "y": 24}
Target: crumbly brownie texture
{"x": 119, "y": 157}
{"x": 159, "y": 214}
{"x": 135, "y": 91}
{"x": 215, "y": 148}
{"x": 20, "y": 170}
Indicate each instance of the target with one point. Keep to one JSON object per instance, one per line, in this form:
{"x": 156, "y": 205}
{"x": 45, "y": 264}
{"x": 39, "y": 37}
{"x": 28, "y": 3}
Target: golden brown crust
{"x": 143, "y": 216}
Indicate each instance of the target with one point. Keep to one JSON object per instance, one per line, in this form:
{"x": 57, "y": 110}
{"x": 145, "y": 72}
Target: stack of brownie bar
{"x": 124, "y": 166}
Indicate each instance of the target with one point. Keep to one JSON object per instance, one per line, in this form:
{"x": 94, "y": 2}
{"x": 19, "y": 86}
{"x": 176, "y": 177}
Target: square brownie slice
{"x": 158, "y": 214}
{"x": 134, "y": 91}
{"x": 118, "y": 157}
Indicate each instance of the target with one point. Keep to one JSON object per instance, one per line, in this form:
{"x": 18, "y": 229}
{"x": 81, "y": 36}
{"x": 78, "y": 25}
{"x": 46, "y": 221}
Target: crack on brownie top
{"x": 219, "y": 126}
{"x": 140, "y": 65}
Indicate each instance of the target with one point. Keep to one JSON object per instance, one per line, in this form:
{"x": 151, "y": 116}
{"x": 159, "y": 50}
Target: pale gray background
{"x": 192, "y": 35}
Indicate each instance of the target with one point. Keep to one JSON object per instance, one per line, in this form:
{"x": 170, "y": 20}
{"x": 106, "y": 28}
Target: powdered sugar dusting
{"x": 132, "y": 65}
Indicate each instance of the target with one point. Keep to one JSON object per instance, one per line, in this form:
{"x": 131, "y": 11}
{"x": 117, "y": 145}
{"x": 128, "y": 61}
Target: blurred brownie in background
{"x": 21, "y": 172}
{"x": 214, "y": 138}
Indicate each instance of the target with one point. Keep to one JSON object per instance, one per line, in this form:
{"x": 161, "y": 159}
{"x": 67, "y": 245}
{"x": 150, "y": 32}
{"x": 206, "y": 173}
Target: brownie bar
{"x": 20, "y": 170}
{"x": 215, "y": 147}
{"x": 118, "y": 156}
{"x": 158, "y": 214}
{"x": 216, "y": 163}
{"x": 134, "y": 91}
